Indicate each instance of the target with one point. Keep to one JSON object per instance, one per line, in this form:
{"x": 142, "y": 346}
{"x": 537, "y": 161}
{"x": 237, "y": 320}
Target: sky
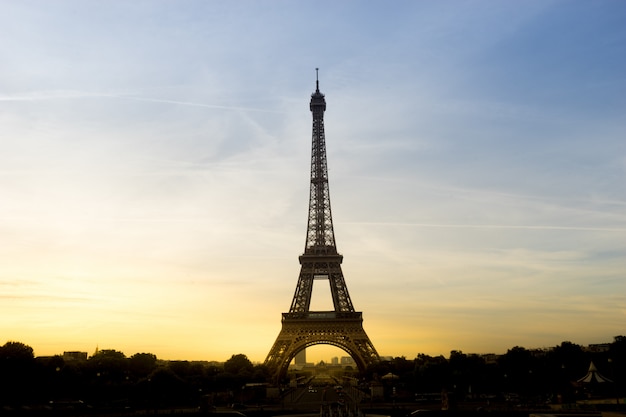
{"x": 155, "y": 161}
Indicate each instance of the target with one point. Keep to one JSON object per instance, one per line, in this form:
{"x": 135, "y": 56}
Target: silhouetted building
{"x": 490, "y": 358}
{"x": 599, "y": 347}
{"x": 74, "y": 356}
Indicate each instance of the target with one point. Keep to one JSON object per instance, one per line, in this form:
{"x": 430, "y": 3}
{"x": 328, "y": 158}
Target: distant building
{"x": 490, "y": 358}
{"x": 599, "y": 347}
{"x": 347, "y": 360}
{"x": 334, "y": 360}
{"x": 301, "y": 357}
{"x": 74, "y": 356}
{"x": 539, "y": 353}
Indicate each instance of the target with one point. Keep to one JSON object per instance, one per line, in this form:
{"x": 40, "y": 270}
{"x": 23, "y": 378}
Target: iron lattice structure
{"x": 302, "y": 328}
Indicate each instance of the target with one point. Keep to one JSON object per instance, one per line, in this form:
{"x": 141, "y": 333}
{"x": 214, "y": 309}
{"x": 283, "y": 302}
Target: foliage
{"x": 16, "y": 351}
{"x": 238, "y": 365}
{"x": 141, "y": 364}
{"x": 17, "y": 371}
{"x": 109, "y": 377}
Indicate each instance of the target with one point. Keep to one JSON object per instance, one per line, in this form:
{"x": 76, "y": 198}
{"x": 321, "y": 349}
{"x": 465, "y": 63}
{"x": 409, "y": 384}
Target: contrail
{"x": 191, "y": 103}
{"x": 69, "y": 94}
{"x": 49, "y": 95}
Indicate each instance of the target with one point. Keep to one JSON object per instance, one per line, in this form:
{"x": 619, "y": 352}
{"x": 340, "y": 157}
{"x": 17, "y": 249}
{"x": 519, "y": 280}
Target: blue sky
{"x": 154, "y": 162}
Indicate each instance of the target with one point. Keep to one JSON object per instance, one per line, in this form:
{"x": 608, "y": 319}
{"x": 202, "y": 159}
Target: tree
{"x": 468, "y": 372}
{"x": 108, "y": 365}
{"x": 17, "y": 372}
{"x": 432, "y": 373}
{"x": 141, "y": 364}
{"x": 16, "y": 351}
{"x": 165, "y": 388}
{"x": 403, "y": 367}
{"x": 108, "y": 354}
{"x": 238, "y": 365}
{"x": 260, "y": 373}
{"x": 617, "y": 354}
{"x": 520, "y": 371}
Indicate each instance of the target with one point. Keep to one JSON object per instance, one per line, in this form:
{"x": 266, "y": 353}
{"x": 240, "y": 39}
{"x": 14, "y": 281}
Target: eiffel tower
{"x": 301, "y": 327}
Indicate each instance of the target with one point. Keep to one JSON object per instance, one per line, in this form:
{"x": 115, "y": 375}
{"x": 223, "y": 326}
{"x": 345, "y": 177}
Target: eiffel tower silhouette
{"x": 301, "y": 327}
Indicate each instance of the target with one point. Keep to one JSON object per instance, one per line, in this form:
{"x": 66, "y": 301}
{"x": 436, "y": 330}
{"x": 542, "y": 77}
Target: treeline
{"x": 110, "y": 379}
{"x": 532, "y": 376}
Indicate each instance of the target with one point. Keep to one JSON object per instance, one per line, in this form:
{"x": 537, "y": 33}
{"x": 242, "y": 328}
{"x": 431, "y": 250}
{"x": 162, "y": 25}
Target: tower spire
{"x": 317, "y": 80}
{"x": 320, "y": 236}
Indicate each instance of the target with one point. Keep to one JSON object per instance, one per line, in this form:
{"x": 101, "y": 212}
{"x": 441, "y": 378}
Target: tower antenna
{"x": 317, "y": 79}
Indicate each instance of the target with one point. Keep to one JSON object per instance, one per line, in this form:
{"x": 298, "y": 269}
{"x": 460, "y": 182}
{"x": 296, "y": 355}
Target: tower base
{"x": 302, "y": 330}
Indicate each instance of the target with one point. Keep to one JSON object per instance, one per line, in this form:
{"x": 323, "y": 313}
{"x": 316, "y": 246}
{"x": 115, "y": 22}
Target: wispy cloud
{"x": 493, "y": 226}
{"x": 71, "y": 94}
